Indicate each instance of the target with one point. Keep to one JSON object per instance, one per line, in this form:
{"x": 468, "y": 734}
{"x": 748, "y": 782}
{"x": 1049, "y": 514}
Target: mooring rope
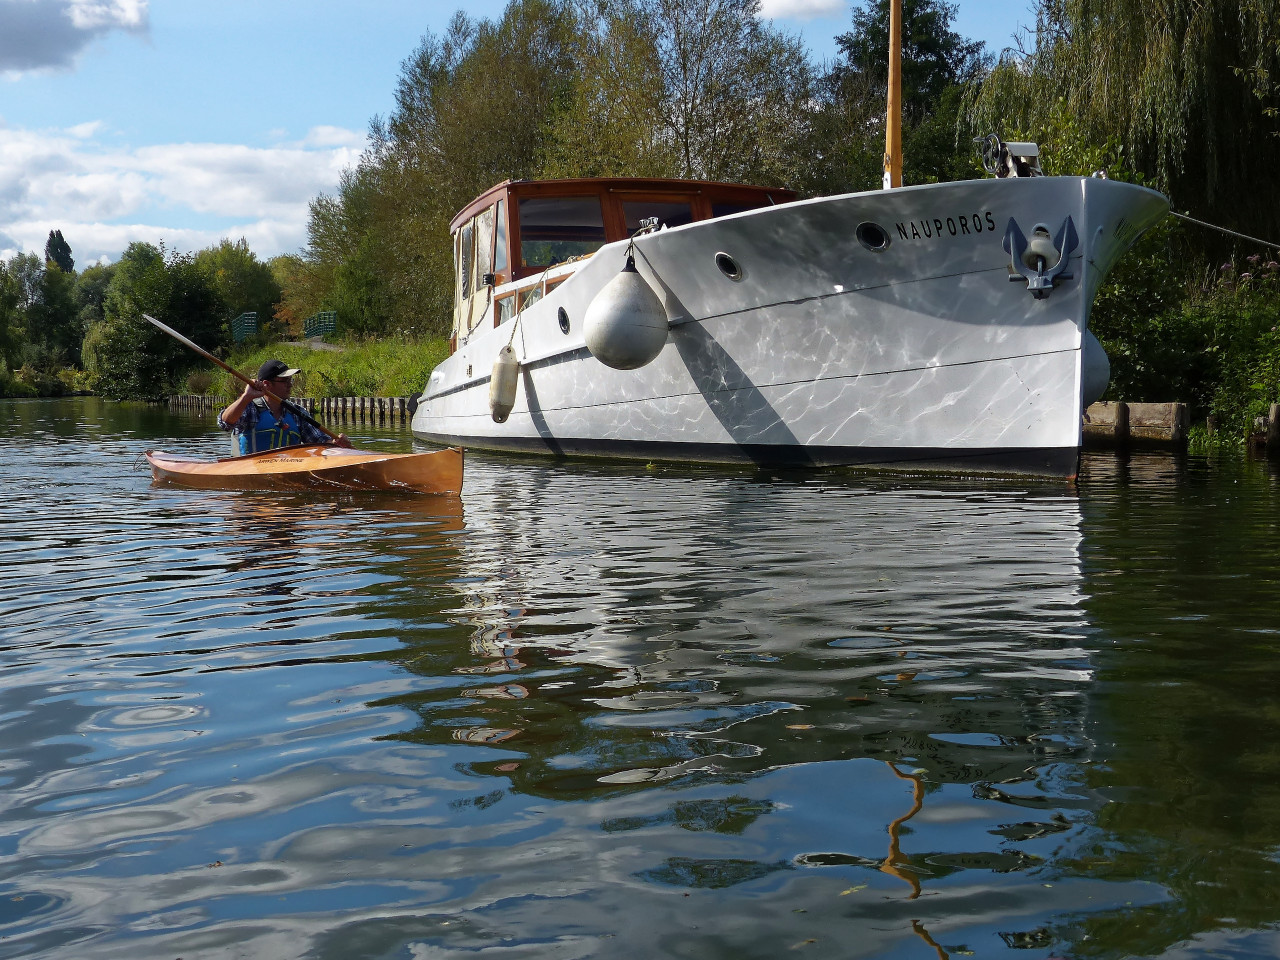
{"x": 1242, "y": 236}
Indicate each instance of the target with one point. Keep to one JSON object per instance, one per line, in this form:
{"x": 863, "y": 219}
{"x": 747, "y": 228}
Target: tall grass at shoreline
{"x": 371, "y": 368}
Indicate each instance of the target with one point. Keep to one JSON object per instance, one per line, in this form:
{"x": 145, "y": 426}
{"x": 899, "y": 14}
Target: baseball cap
{"x": 274, "y": 369}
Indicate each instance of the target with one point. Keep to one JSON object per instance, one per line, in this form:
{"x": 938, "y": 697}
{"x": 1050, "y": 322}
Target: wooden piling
{"x": 370, "y": 410}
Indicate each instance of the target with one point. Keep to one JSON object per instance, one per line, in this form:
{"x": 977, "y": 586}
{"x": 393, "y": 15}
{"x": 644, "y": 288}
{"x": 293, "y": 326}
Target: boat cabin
{"x": 510, "y": 242}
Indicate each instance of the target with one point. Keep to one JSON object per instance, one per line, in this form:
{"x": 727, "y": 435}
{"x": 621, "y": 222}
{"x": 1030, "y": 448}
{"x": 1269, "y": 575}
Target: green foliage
{"x": 732, "y": 93}
{"x": 243, "y": 283}
{"x": 52, "y": 321}
{"x": 91, "y": 295}
{"x": 1214, "y": 346}
{"x": 40, "y": 331}
{"x": 934, "y": 57}
{"x": 846, "y": 145}
{"x": 472, "y": 108}
{"x": 1185, "y": 86}
{"x": 128, "y": 357}
{"x": 666, "y": 87}
{"x": 10, "y": 295}
{"x": 58, "y": 251}
{"x": 393, "y": 367}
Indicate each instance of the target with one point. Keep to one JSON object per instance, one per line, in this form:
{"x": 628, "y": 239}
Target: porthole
{"x": 729, "y": 266}
{"x": 563, "y": 317}
{"x": 873, "y": 236}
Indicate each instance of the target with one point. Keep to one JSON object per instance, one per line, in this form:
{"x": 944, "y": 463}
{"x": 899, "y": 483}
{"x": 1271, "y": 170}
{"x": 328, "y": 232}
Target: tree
{"x": 938, "y": 65}
{"x": 473, "y": 108}
{"x": 57, "y": 250}
{"x": 130, "y": 358}
{"x": 242, "y": 281}
{"x": 27, "y": 271}
{"x": 91, "y": 294}
{"x": 934, "y": 57}
{"x": 293, "y": 277}
{"x": 610, "y": 126}
{"x": 52, "y": 323}
{"x": 1188, "y": 88}
{"x": 9, "y": 299}
{"x": 684, "y": 88}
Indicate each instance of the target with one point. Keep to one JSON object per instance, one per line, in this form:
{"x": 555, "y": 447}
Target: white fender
{"x": 502, "y": 384}
{"x": 625, "y": 326}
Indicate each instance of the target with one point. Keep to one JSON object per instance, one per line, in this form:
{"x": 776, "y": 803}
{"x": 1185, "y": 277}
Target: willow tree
{"x": 1190, "y": 89}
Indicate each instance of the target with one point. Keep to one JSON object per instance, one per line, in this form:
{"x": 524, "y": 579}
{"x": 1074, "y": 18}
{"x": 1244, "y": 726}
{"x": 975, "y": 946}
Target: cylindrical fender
{"x": 502, "y": 385}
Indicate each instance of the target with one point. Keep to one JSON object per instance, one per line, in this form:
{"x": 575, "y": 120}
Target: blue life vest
{"x": 269, "y": 433}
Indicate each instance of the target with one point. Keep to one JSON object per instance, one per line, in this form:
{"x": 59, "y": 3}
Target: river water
{"x": 596, "y": 710}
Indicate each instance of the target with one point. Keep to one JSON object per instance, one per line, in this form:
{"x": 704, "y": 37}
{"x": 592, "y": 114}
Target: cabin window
{"x": 466, "y": 259}
{"x": 671, "y": 213}
{"x": 554, "y": 229}
{"x": 457, "y": 267}
{"x": 484, "y": 244}
{"x": 506, "y": 310}
{"x": 531, "y": 296}
{"x": 500, "y": 246}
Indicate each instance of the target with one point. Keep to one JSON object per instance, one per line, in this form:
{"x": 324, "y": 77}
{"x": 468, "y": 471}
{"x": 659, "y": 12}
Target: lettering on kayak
{"x": 963, "y": 225}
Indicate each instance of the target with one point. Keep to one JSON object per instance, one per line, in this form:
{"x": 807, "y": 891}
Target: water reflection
{"x": 683, "y": 625}
{"x": 587, "y": 711}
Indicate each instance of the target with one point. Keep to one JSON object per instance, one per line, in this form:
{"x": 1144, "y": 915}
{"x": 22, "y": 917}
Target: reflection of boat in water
{"x": 870, "y": 328}
{"x": 697, "y": 618}
{"x": 812, "y": 684}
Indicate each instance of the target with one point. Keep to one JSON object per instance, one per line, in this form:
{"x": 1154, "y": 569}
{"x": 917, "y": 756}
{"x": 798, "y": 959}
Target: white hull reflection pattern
{"x": 717, "y": 623}
{"x": 795, "y": 341}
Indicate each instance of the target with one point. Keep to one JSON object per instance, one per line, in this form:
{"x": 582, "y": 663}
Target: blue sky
{"x": 185, "y": 121}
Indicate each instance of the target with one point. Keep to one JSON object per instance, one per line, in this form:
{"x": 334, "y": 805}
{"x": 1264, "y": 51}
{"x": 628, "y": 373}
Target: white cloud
{"x": 802, "y": 9}
{"x": 96, "y": 15}
{"x": 190, "y": 195}
{"x": 38, "y": 35}
{"x": 333, "y": 137}
{"x": 82, "y": 131}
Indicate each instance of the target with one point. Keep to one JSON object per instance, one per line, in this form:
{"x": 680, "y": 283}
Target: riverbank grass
{"x": 372, "y": 368}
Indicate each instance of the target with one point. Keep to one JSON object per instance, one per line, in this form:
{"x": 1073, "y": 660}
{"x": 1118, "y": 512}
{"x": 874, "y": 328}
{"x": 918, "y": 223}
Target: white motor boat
{"x": 939, "y": 326}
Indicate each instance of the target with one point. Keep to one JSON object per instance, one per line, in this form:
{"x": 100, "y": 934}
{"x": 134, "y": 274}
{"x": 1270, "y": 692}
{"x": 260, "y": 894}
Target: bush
{"x": 396, "y": 367}
{"x": 199, "y": 381}
{"x": 1241, "y": 314}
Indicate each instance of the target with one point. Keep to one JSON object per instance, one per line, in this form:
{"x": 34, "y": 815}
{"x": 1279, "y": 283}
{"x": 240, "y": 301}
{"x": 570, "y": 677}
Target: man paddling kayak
{"x": 259, "y": 421}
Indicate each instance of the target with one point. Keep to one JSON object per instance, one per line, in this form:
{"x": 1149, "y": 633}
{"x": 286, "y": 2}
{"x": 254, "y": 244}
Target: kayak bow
{"x": 316, "y": 467}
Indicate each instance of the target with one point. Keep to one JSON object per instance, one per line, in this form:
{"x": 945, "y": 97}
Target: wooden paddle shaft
{"x": 231, "y": 370}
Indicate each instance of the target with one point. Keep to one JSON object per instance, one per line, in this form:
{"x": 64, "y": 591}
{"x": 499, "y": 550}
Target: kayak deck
{"x": 316, "y": 467}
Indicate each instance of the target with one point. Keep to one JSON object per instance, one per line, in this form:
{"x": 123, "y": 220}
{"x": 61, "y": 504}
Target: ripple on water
{"x": 287, "y": 725}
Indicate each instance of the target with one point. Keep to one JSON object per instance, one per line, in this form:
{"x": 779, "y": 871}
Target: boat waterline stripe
{"x": 1037, "y": 461}
{"x": 780, "y": 384}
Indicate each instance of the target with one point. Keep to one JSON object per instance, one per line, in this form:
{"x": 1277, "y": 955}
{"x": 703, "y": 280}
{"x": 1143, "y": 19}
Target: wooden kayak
{"x": 316, "y": 468}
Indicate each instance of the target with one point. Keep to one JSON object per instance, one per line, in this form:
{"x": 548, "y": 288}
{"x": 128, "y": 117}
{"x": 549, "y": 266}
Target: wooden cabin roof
{"x": 515, "y": 190}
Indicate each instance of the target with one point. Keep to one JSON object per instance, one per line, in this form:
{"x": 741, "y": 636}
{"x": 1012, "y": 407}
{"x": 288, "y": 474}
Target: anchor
{"x": 1041, "y": 262}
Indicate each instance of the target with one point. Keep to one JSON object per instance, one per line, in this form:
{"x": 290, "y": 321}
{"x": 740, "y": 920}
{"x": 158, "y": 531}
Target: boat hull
{"x": 316, "y": 468}
{"x": 819, "y": 348}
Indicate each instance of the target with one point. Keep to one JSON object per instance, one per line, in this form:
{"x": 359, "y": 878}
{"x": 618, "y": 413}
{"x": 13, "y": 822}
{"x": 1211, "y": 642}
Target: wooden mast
{"x": 893, "y": 115}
